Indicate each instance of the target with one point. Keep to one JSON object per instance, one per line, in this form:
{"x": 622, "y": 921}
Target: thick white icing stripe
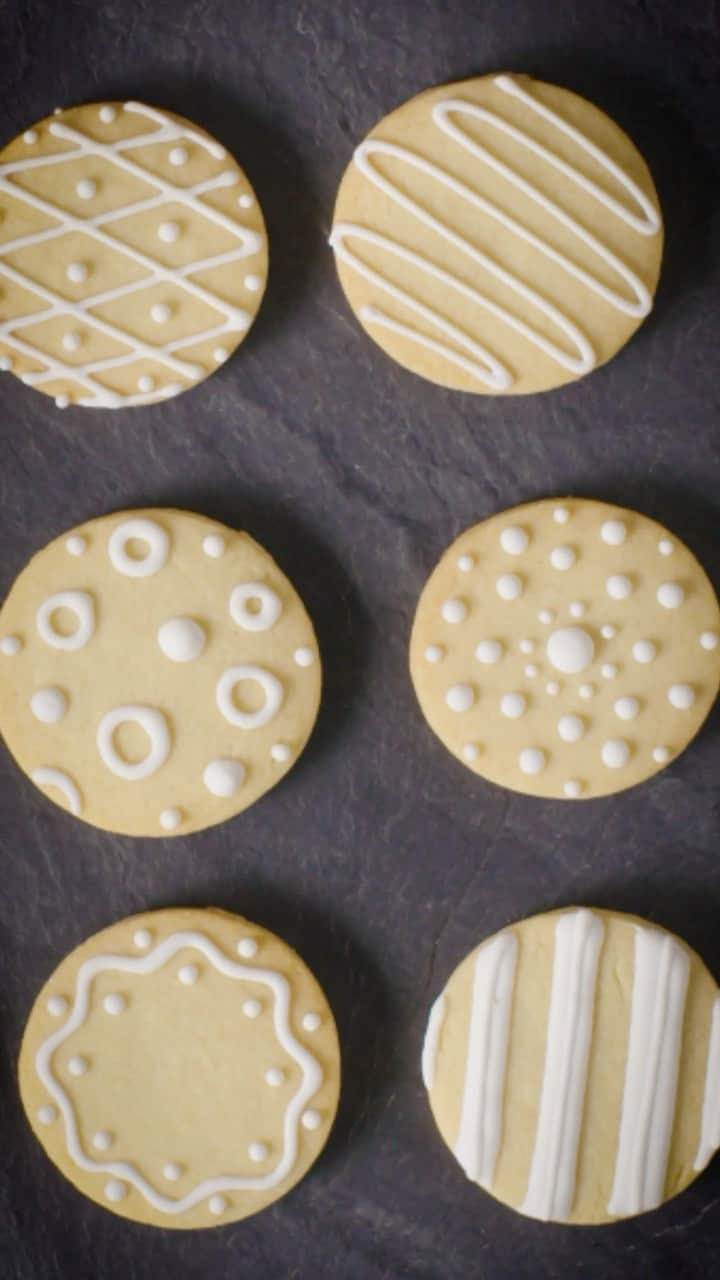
{"x": 235, "y": 319}
{"x": 656, "y": 1020}
{"x": 551, "y": 1186}
{"x": 486, "y": 368}
{"x": 312, "y": 1074}
{"x": 430, "y": 1045}
{"x": 50, "y": 777}
{"x": 710, "y": 1123}
{"x": 480, "y": 1130}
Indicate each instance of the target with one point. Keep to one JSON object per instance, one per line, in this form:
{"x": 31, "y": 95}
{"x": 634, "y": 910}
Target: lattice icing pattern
{"x": 133, "y": 256}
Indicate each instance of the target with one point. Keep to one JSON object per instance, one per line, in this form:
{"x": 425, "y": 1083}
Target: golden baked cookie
{"x": 566, "y": 648}
{"x": 500, "y": 235}
{"x": 572, "y": 1065}
{"x": 133, "y": 255}
{"x": 158, "y": 672}
{"x": 181, "y": 1068}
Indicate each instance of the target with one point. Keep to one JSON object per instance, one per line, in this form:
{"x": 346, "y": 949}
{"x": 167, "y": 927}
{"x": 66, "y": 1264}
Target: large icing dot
{"x": 138, "y": 529}
{"x": 223, "y": 777}
{"x": 644, "y": 651}
{"x": 626, "y": 708}
{"x": 615, "y": 753}
{"x": 270, "y": 686}
{"x": 532, "y": 760}
{"x": 254, "y": 606}
{"x": 613, "y": 532}
{"x": 670, "y": 595}
{"x": 49, "y": 705}
{"x": 181, "y": 639}
{"x": 562, "y": 558}
{"x": 571, "y": 728}
{"x": 514, "y": 540}
{"x": 509, "y": 586}
{"x": 489, "y": 651}
{"x": 454, "y": 611}
{"x": 681, "y": 696}
{"x": 155, "y": 726}
{"x": 77, "y": 602}
{"x": 709, "y": 640}
{"x": 570, "y": 649}
{"x": 460, "y": 697}
{"x": 513, "y": 705}
{"x": 619, "y": 586}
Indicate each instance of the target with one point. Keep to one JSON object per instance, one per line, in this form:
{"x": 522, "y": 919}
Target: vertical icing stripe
{"x": 430, "y": 1046}
{"x": 710, "y": 1123}
{"x": 551, "y": 1186}
{"x": 660, "y": 985}
{"x": 480, "y": 1132}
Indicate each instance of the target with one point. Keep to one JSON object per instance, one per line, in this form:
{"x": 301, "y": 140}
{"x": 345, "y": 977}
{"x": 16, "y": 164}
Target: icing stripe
{"x": 551, "y": 1186}
{"x": 710, "y": 1124}
{"x": 430, "y": 1045}
{"x": 50, "y": 777}
{"x": 655, "y": 1042}
{"x": 480, "y": 1132}
{"x": 488, "y": 370}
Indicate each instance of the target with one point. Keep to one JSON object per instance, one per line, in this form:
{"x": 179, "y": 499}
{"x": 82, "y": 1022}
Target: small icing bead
{"x": 608, "y": 670}
{"x": 77, "y": 272}
{"x": 608, "y": 631}
{"x": 615, "y": 753}
{"x": 172, "y": 1172}
{"x": 561, "y": 515}
{"x": 170, "y": 819}
{"x": 304, "y": 657}
{"x": 10, "y": 646}
{"x": 178, "y": 157}
{"x": 30, "y": 136}
{"x": 160, "y": 312}
{"x": 562, "y": 558}
{"x": 220, "y": 354}
{"x": 213, "y": 546}
{"x": 572, "y": 788}
{"x": 546, "y": 616}
{"x": 115, "y": 1190}
{"x": 251, "y": 1008}
{"x": 509, "y": 586}
{"x": 311, "y": 1119}
{"x": 168, "y": 232}
{"x": 577, "y": 609}
{"x": 681, "y": 696}
{"x": 142, "y": 939}
{"x": 532, "y": 671}
{"x": 470, "y": 751}
{"x": 666, "y": 547}
{"x": 245, "y": 201}
{"x": 114, "y": 1004}
{"x": 454, "y": 611}
{"x": 47, "y": 1114}
{"x": 247, "y": 947}
{"x": 661, "y": 755}
{"x": 103, "y": 1140}
{"x": 107, "y": 114}
{"x": 258, "y": 1151}
{"x": 86, "y": 189}
{"x": 466, "y": 563}
{"x": 619, "y": 586}
{"x": 253, "y": 283}
{"x": 146, "y": 383}
{"x": 57, "y": 1006}
{"x": 217, "y": 1205}
{"x": 72, "y": 340}
{"x": 709, "y": 640}
{"x": 489, "y": 652}
{"x": 571, "y": 728}
{"x": 62, "y": 402}
{"x": 274, "y": 1077}
{"x": 78, "y": 1065}
{"x": 188, "y": 975}
{"x": 532, "y": 760}
{"x": 49, "y": 706}
{"x": 181, "y": 639}
{"x": 223, "y": 777}
{"x": 670, "y": 595}
{"x": 586, "y": 690}
{"x": 513, "y": 705}
{"x": 526, "y": 646}
{"x": 311, "y": 1021}
{"x": 434, "y": 653}
{"x": 552, "y": 687}
{"x": 644, "y": 651}
{"x": 280, "y": 752}
{"x": 460, "y": 697}
{"x": 626, "y": 708}
{"x": 613, "y": 532}
{"x": 76, "y": 545}
{"x": 514, "y": 540}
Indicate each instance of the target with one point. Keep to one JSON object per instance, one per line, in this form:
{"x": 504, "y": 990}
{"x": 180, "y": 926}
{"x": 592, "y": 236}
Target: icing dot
{"x": 531, "y": 671}
{"x": 577, "y": 609}
{"x": 514, "y": 540}
{"x": 102, "y": 1140}
{"x": 76, "y": 545}
{"x": 57, "y": 1006}
{"x": 570, "y": 649}
{"x": 626, "y": 708}
{"x": 509, "y": 586}
{"x": 77, "y": 272}
{"x": 258, "y": 1151}
{"x": 251, "y": 1008}
{"x": 489, "y": 651}
{"x": 146, "y": 383}
{"x": 245, "y": 201}
{"x": 526, "y": 646}
{"x": 613, "y": 532}
{"x": 608, "y": 631}
{"x": 661, "y": 755}
{"x": 666, "y": 547}
{"x": 561, "y": 515}
{"x": 62, "y": 402}
{"x": 107, "y": 114}
{"x": 78, "y": 1065}
{"x": 552, "y": 687}
{"x": 311, "y": 1021}
{"x": 72, "y": 340}
{"x": 5, "y": 363}
{"x": 608, "y": 670}
{"x": 253, "y": 283}
{"x": 160, "y": 312}
{"x": 168, "y": 232}
{"x": 304, "y": 657}
{"x": 562, "y": 558}
{"x": 619, "y": 586}
{"x": 274, "y": 1077}
{"x": 30, "y": 136}
{"x": 644, "y": 651}
{"x": 681, "y": 696}
{"x": 178, "y": 156}
{"x": 571, "y": 728}
{"x": 709, "y": 640}
{"x": 181, "y": 639}
{"x": 586, "y": 690}
{"x": 572, "y": 788}
{"x": 470, "y": 751}
{"x": 47, "y": 1114}
{"x": 460, "y": 697}
{"x": 280, "y": 752}
{"x": 311, "y": 1119}
{"x": 434, "y": 653}
{"x": 513, "y": 705}
{"x": 49, "y": 705}
{"x": 170, "y": 819}
{"x": 10, "y": 646}
{"x": 217, "y": 1205}
{"x": 220, "y": 354}
{"x": 142, "y": 938}
{"x": 454, "y": 611}
{"x": 247, "y": 947}
{"x": 86, "y": 188}
{"x": 114, "y": 1004}
{"x": 188, "y": 975}
{"x": 532, "y": 760}
{"x": 615, "y": 753}
{"x": 115, "y": 1190}
{"x": 213, "y": 546}
{"x": 546, "y": 616}
{"x": 670, "y": 595}
{"x": 172, "y": 1172}
{"x": 223, "y": 777}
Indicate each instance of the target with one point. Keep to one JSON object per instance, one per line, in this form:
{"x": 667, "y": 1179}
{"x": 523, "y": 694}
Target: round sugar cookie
{"x": 181, "y": 1068}
{"x": 566, "y": 648}
{"x": 500, "y": 235}
{"x": 572, "y": 1066}
{"x": 133, "y": 255}
{"x": 158, "y": 672}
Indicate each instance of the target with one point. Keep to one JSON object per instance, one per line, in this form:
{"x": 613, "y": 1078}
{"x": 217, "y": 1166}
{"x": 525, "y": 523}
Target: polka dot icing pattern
{"x": 124, "y": 1119}
{"x": 166, "y": 678}
{"x": 138, "y": 215}
{"x": 619, "y": 668}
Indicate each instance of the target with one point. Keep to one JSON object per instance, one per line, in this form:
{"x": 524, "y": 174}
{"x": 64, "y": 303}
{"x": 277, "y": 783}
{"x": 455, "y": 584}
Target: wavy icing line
{"x": 235, "y": 319}
{"x": 486, "y": 367}
{"x": 154, "y": 960}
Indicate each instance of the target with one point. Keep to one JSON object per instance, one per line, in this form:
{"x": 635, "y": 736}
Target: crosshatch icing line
{"x": 232, "y": 320}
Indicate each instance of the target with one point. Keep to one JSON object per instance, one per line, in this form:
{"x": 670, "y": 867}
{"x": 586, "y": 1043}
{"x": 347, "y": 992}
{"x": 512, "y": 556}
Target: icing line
{"x": 430, "y": 1044}
{"x": 710, "y": 1123}
{"x": 49, "y": 777}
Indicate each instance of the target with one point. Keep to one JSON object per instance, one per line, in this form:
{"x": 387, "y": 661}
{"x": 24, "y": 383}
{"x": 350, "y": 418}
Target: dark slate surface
{"x": 380, "y": 858}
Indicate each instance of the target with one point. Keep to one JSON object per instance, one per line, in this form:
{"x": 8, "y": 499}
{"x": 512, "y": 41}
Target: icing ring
{"x": 155, "y": 726}
{"x": 79, "y": 603}
{"x": 145, "y": 531}
{"x": 270, "y": 685}
{"x": 265, "y": 617}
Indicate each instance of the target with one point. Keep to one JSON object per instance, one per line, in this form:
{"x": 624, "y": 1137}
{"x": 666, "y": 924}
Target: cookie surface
{"x": 566, "y": 648}
{"x": 181, "y": 1068}
{"x": 572, "y": 1066}
{"x": 500, "y": 235}
{"x": 158, "y": 672}
{"x": 133, "y": 255}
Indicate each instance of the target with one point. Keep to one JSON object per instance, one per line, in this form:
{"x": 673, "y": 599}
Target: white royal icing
{"x": 47, "y": 776}
{"x": 10, "y": 646}
{"x": 551, "y": 1185}
{"x": 143, "y": 530}
{"x": 710, "y": 1120}
{"x": 79, "y": 603}
{"x": 571, "y": 728}
{"x": 98, "y": 228}
{"x": 181, "y": 639}
{"x": 272, "y": 691}
{"x": 430, "y": 1043}
{"x": 681, "y": 696}
{"x": 509, "y": 586}
{"x": 489, "y": 651}
{"x": 660, "y": 984}
{"x": 644, "y": 651}
{"x": 266, "y": 614}
{"x": 532, "y": 760}
{"x": 460, "y": 697}
{"x": 570, "y": 649}
{"x": 514, "y": 540}
{"x": 222, "y": 778}
{"x": 49, "y": 705}
{"x": 670, "y": 595}
{"x": 281, "y": 992}
{"x": 513, "y": 705}
{"x": 613, "y": 532}
{"x": 478, "y": 361}
{"x": 563, "y": 558}
{"x": 619, "y": 586}
{"x": 615, "y": 753}
{"x": 155, "y": 726}
{"x": 454, "y": 611}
